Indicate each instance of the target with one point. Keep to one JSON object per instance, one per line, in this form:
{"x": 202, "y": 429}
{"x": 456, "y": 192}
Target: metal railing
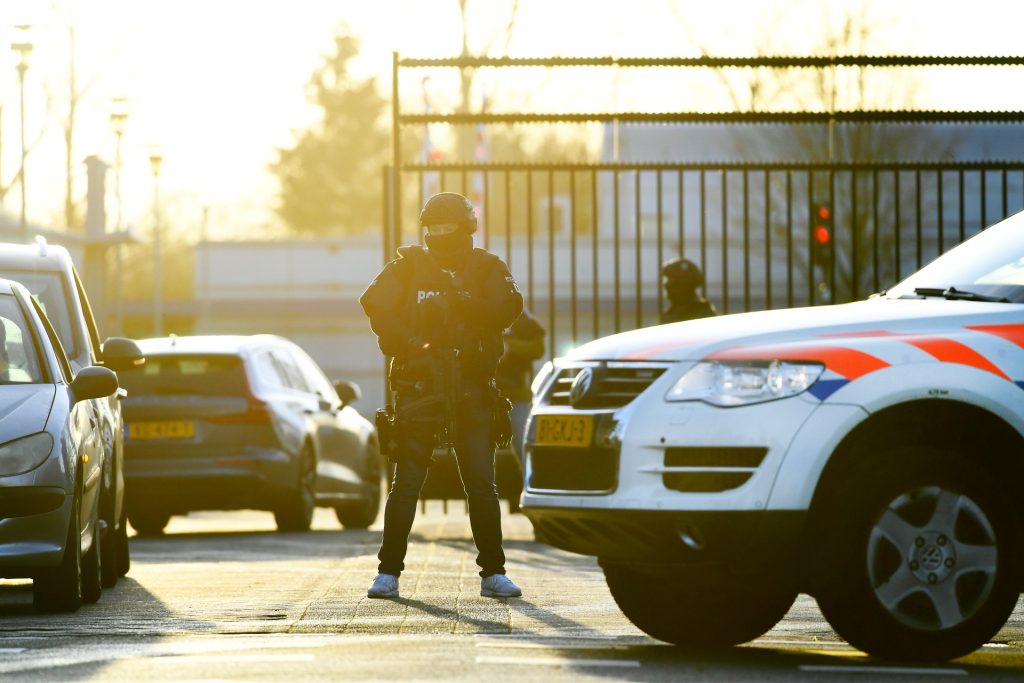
{"x": 586, "y": 242}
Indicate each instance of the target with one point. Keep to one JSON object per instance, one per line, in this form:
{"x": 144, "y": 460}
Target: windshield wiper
{"x": 952, "y": 293}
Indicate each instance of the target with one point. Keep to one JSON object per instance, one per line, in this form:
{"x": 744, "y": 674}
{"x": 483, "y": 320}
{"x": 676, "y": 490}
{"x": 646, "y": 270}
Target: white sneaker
{"x": 499, "y": 586}
{"x": 384, "y": 586}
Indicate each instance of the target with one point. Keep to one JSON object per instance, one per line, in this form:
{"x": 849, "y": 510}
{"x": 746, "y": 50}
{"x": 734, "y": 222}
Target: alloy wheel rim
{"x": 932, "y": 558}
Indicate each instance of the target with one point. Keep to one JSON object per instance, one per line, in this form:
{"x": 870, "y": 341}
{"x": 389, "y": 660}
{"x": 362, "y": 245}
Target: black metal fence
{"x": 586, "y": 242}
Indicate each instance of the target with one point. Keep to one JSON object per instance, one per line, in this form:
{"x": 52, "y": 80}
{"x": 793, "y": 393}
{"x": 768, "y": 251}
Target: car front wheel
{"x": 149, "y": 523}
{"x": 59, "y": 589}
{"x": 295, "y": 512}
{"x": 363, "y": 513}
{"x": 695, "y": 615}
{"x": 109, "y": 565}
{"x": 92, "y": 571}
{"x": 920, "y": 558}
{"x": 123, "y": 552}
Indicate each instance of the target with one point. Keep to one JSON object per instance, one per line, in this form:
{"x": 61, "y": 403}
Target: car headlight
{"x": 22, "y": 455}
{"x": 542, "y": 377}
{"x": 739, "y": 383}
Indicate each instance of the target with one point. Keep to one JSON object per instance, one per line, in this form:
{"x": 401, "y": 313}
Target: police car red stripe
{"x": 1013, "y": 333}
{"x": 949, "y": 351}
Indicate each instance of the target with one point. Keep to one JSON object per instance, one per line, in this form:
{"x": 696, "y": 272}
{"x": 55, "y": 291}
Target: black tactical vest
{"x": 479, "y": 348}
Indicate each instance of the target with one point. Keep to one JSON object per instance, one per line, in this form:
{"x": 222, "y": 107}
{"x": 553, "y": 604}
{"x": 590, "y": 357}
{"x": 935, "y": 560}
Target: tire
{"x": 695, "y": 615}
{"x": 362, "y": 514}
{"x": 295, "y": 513}
{"x": 122, "y": 550}
{"x": 109, "y": 573}
{"x": 92, "y": 570}
{"x": 920, "y": 558}
{"x": 109, "y": 569}
{"x": 59, "y": 589}
{"x": 149, "y": 523}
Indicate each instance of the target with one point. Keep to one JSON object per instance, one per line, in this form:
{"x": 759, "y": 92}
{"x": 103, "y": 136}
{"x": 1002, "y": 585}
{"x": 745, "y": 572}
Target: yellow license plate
{"x": 564, "y": 430}
{"x": 162, "y": 430}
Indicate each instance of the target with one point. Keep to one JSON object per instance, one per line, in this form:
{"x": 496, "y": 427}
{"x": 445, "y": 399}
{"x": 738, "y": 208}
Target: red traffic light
{"x": 822, "y": 234}
{"x": 823, "y": 213}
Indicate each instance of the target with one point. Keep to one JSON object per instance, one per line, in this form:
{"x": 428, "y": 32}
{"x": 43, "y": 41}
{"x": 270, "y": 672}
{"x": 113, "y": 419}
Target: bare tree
{"x": 30, "y": 146}
{"x": 858, "y": 197}
{"x": 76, "y": 94}
{"x": 502, "y": 34}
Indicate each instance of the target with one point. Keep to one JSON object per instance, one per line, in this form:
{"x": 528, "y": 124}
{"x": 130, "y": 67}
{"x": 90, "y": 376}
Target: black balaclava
{"x": 450, "y": 249}
{"x": 680, "y": 295}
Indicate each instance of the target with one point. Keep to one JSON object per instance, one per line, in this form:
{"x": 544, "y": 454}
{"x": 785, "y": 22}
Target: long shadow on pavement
{"x": 71, "y": 646}
{"x": 764, "y": 663}
{"x": 257, "y": 545}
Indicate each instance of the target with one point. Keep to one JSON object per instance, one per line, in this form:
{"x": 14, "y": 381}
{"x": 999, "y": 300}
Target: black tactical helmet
{"x": 449, "y": 207}
{"x": 682, "y": 274}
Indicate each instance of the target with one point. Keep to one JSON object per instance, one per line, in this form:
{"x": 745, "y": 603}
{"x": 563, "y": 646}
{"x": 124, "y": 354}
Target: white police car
{"x": 870, "y": 454}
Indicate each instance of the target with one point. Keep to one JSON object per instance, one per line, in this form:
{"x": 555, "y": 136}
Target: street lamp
{"x": 155, "y": 159}
{"x": 23, "y": 47}
{"x": 118, "y": 117}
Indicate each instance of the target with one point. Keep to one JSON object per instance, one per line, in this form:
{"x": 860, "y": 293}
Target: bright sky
{"x": 215, "y": 85}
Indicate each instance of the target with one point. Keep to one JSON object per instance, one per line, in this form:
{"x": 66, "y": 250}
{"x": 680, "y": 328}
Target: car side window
{"x": 19, "y": 354}
{"x": 58, "y": 348}
{"x": 90, "y": 321}
{"x": 292, "y": 374}
{"x": 315, "y": 376}
{"x": 268, "y": 371}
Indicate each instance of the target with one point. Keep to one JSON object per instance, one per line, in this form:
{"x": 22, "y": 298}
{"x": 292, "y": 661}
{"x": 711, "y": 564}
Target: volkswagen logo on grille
{"x": 581, "y": 385}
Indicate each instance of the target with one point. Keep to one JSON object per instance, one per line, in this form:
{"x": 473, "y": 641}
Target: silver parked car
{"x": 51, "y": 465}
{"x": 49, "y": 274}
{"x": 244, "y": 422}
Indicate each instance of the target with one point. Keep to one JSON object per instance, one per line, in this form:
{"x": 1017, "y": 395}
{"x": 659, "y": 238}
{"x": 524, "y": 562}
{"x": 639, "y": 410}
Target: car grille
{"x": 555, "y": 468}
{"x": 614, "y": 384}
{"x": 711, "y": 470}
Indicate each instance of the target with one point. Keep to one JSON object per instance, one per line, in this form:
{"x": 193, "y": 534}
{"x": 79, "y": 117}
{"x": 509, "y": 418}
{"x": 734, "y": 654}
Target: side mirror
{"x": 119, "y": 353}
{"x": 348, "y": 392}
{"x": 94, "y": 382}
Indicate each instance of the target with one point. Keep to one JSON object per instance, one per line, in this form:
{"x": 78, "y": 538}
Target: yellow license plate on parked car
{"x": 564, "y": 430}
{"x": 180, "y": 429}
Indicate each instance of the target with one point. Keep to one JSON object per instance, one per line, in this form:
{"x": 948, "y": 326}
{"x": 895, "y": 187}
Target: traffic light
{"x": 821, "y": 236}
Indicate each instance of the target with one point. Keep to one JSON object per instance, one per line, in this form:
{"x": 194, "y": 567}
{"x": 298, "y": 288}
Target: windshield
{"x": 19, "y": 358}
{"x": 50, "y": 290}
{"x": 206, "y": 375}
{"x": 990, "y": 264}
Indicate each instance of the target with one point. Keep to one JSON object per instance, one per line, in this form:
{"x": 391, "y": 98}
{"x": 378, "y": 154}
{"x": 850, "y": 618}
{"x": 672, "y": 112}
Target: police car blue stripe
{"x": 824, "y": 388}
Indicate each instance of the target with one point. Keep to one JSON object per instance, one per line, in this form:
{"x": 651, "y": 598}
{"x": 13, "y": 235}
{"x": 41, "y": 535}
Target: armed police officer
{"x": 681, "y": 279}
{"x": 439, "y": 312}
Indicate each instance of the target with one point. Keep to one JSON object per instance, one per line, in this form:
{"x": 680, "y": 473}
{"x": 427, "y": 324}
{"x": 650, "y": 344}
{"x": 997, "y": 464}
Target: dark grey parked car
{"x": 244, "y": 422}
{"x": 51, "y": 464}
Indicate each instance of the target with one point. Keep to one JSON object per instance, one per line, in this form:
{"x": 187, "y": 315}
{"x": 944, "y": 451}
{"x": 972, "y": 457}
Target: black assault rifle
{"x": 450, "y": 383}
{"x": 447, "y": 369}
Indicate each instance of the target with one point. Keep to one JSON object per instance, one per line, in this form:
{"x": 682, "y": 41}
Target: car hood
{"x": 24, "y": 409}
{"x": 800, "y": 332}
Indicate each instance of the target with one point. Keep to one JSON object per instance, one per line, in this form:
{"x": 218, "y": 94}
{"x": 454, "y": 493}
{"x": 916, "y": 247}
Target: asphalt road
{"x": 224, "y": 597}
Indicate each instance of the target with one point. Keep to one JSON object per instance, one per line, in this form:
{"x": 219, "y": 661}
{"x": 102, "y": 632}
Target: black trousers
{"x": 474, "y": 452}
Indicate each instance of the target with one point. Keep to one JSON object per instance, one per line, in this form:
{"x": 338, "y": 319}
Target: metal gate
{"x": 586, "y": 242}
